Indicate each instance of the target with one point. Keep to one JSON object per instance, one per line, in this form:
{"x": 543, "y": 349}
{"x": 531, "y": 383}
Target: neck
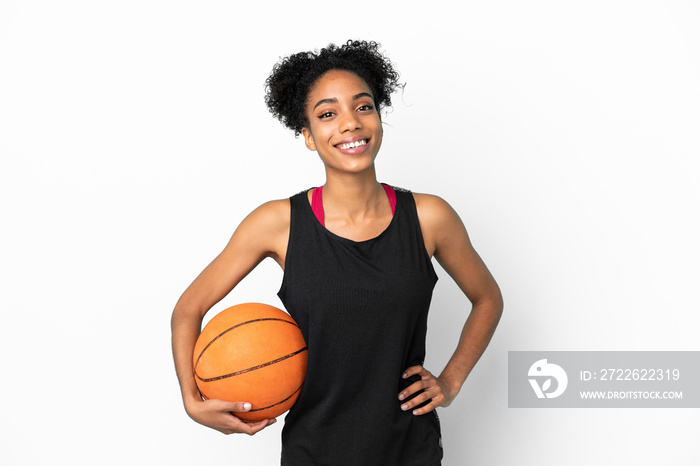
{"x": 353, "y": 195}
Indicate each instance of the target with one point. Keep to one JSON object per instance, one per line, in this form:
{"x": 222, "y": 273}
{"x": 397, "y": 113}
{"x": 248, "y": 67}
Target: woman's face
{"x": 344, "y": 125}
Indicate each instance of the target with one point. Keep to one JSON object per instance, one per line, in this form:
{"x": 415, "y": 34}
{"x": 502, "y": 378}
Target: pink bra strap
{"x": 317, "y": 202}
{"x": 392, "y": 197}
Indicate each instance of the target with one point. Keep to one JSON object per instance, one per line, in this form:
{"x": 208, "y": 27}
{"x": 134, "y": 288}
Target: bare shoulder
{"x": 431, "y": 207}
{"x": 271, "y": 215}
{"x": 435, "y": 213}
{"x": 265, "y": 231}
{"x": 438, "y": 221}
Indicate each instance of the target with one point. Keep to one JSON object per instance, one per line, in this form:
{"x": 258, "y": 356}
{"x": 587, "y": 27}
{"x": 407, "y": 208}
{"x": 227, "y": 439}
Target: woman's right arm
{"x": 264, "y": 233}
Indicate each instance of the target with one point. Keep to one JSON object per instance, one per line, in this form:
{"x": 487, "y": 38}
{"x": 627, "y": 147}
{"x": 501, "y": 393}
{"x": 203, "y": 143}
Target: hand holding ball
{"x": 253, "y": 353}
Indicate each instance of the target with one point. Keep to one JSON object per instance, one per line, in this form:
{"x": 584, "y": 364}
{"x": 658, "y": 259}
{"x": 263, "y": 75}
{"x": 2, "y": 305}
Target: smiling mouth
{"x": 353, "y": 144}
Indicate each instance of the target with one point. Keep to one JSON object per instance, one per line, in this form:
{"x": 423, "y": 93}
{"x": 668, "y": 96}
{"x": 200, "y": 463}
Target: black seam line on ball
{"x": 259, "y": 366}
{"x": 279, "y": 402}
{"x": 199, "y": 358}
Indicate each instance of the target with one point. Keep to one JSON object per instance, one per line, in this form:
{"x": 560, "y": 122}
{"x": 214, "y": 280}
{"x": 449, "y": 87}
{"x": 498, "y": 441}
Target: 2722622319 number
{"x": 639, "y": 374}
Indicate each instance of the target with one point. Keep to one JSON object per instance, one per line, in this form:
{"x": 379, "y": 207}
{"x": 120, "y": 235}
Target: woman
{"x": 358, "y": 279}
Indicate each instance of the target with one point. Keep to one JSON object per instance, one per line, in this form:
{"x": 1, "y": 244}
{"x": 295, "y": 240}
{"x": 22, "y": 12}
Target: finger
{"x": 256, "y": 427}
{"x": 417, "y": 400}
{"x": 229, "y": 406}
{"x": 435, "y": 398}
{"x": 264, "y": 422}
{"x": 236, "y": 424}
{"x": 426, "y": 409}
{"x": 413, "y": 370}
{"x": 410, "y": 390}
{"x": 417, "y": 386}
{"x": 237, "y": 406}
{"x": 232, "y": 424}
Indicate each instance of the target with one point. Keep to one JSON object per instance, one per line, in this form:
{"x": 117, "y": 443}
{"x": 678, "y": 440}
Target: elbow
{"x": 499, "y": 300}
{"x": 490, "y": 304}
{"x": 185, "y": 314}
{"x": 498, "y": 303}
{"x": 495, "y": 308}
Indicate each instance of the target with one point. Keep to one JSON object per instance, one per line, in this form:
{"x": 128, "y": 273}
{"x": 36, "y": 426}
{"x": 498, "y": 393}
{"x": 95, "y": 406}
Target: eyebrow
{"x": 333, "y": 100}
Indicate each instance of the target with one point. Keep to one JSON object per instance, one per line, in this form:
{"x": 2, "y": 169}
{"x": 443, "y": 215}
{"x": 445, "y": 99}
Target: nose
{"x": 350, "y": 122}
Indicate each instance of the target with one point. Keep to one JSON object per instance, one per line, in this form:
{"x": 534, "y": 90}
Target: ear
{"x": 308, "y": 138}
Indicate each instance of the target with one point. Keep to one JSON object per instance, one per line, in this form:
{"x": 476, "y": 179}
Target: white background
{"x": 134, "y": 138}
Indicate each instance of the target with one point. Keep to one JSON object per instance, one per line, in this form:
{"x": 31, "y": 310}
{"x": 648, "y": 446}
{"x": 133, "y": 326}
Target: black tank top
{"x": 362, "y": 308}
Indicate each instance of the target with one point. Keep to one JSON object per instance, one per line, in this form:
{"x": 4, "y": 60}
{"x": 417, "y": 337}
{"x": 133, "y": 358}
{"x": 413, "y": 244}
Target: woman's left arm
{"x": 446, "y": 238}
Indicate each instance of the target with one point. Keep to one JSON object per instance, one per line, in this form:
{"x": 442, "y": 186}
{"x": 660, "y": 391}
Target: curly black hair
{"x": 287, "y": 88}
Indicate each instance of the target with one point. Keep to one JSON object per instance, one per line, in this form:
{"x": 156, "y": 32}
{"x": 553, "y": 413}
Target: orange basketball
{"x": 252, "y": 352}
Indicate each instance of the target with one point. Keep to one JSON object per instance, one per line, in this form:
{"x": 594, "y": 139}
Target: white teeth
{"x": 352, "y": 145}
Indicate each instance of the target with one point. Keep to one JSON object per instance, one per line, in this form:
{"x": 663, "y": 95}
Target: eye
{"x": 325, "y": 115}
{"x": 366, "y": 108}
